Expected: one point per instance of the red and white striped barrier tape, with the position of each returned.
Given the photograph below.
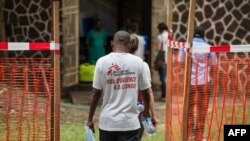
(20, 46)
(178, 45)
(206, 49)
(223, 48)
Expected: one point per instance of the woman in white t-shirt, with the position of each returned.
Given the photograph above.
(134, 47)
(141, 41)
(162, 44)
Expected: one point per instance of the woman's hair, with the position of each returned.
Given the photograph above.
(162, 26)
(133, 43)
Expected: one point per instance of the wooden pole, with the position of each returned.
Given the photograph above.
(168, 119)
(170, 14)
(55, 97)
(2, 22)
(3, 54)
(187, 69)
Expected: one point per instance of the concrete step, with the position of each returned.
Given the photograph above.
(80, 97)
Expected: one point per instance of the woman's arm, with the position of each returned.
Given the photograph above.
(158, 45)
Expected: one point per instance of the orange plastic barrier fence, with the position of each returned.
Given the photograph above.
(219, 94)
(27, 99)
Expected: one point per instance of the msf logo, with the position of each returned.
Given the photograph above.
(113, 68)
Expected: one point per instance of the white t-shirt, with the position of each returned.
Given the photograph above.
(141, 49)
(200, 73)
(119, 76)
(163, 38)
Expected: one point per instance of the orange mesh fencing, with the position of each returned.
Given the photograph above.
(27, 111)
(222, 98)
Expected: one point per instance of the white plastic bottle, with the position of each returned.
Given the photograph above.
(89, 134)
(148, 126)
(139, 107)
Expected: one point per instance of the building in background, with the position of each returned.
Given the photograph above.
(226, 22)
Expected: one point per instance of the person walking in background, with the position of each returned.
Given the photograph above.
(162, 45)
(200, 85)
(134, 47)
(118, 76)
(96, 42)
(141, 49)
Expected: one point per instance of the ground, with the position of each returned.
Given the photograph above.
(74, 116)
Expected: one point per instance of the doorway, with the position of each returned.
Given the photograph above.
(113, 13)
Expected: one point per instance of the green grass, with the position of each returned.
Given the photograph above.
(159, 136)
(217, 126)
(73, 132)
(227, 119)
(76, 132)
(73, 118)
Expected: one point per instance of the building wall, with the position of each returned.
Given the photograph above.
(28, 21)
(225, 21)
